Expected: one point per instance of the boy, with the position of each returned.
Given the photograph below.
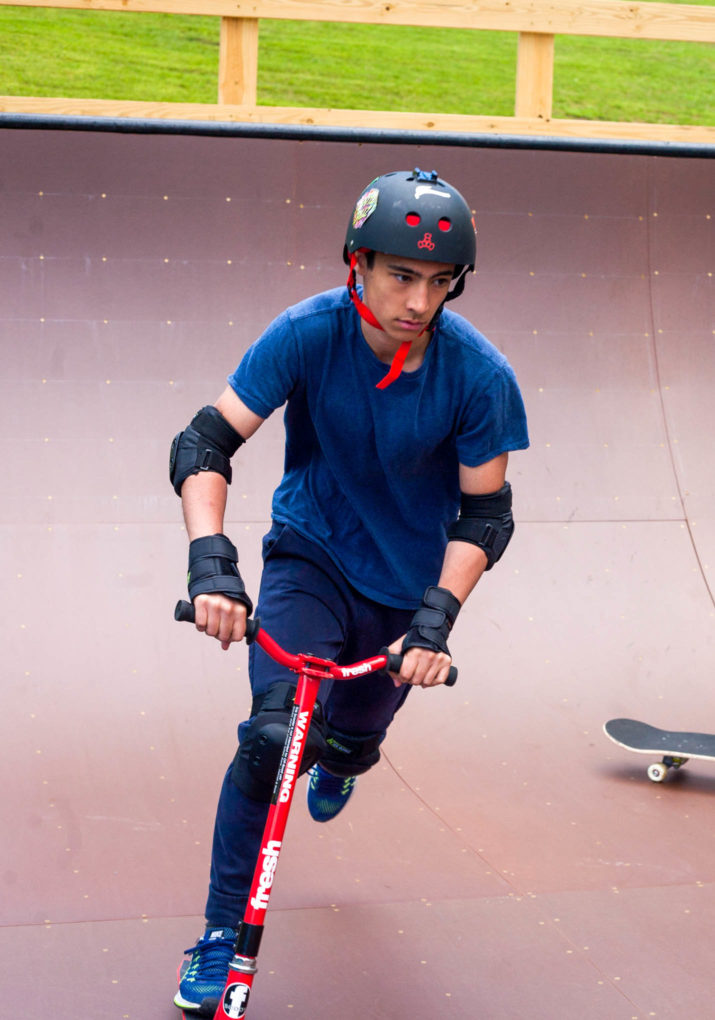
(399, 420)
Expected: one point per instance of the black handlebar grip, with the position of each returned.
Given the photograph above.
(394, 662)
(184, 612)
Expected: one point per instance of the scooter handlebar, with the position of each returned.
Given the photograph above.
(184, 613)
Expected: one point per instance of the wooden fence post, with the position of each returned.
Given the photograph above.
(238, 61)
(534, 75)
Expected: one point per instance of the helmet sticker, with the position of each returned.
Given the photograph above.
(365, 207)
(427, 243)
(425, 189)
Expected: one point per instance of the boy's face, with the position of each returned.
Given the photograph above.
(402, 293)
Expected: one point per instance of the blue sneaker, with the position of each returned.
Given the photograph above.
(205, 976)
(328, 794)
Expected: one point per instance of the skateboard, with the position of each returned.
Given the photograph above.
(674, 748)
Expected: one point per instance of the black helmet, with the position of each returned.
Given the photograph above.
(414, 214)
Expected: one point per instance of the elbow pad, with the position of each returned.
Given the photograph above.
(485, 521)
(207, 444)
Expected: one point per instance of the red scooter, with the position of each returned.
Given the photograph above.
(311, 670)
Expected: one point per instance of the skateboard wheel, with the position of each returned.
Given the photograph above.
(657, 772)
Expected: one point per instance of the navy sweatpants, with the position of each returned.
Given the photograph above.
(307, 606)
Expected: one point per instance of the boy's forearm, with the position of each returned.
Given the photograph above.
(203, 501)
(462, 567)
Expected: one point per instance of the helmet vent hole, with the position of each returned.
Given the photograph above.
(444, 224)
(413, 219)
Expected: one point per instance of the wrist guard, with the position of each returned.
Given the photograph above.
(213, 569)
(485, 521)
(433, 621)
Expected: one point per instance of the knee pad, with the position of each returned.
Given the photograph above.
(348, 755)
(259, 754)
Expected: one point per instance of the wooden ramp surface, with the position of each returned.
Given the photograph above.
(505, 861)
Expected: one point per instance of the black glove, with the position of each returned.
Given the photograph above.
(213, 569)
(433, 621)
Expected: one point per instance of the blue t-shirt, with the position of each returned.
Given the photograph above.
(371, 475)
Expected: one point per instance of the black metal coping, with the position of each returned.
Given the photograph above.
(307, 132)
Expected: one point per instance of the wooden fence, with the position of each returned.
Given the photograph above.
(537, 22)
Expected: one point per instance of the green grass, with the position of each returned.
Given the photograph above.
(164, 58)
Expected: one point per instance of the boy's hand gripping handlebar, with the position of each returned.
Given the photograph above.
(184, 612)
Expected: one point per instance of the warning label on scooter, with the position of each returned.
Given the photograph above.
(235, 1001)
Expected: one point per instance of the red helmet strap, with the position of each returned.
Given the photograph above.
(396, 367)
(364, 312)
